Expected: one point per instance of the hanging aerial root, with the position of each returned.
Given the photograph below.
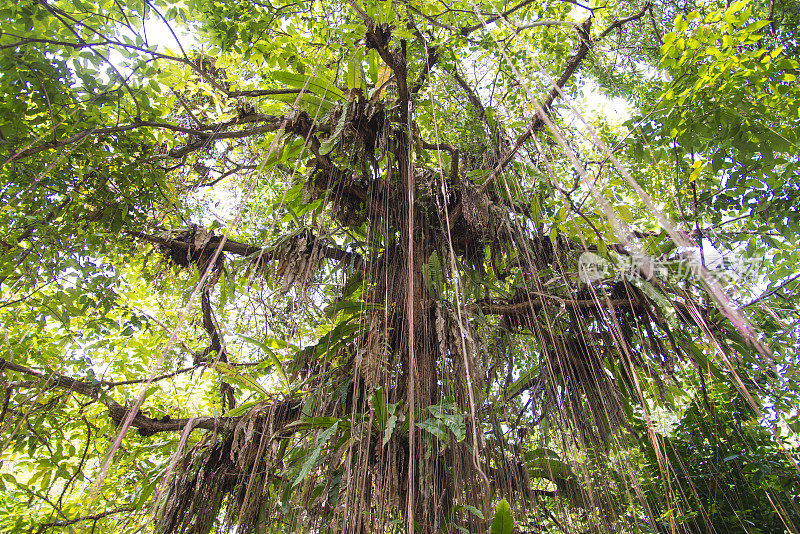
(227, 470)
(298, 262)
(577, 383)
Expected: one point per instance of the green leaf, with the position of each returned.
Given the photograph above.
(273, 358)
(311, 459)
(435, 427)
(242, 408)
(327, 145)
(315, 105)
(233, 376)
(697, 169)
(308, 465)
(448, 415)
(355, 74)
(474, 511)
(502, 523)
(391, 423)
(374, 65)
(433, 275)
(704, 362)
(318, 85)
(525, 381)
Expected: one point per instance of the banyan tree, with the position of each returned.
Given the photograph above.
(371, 266)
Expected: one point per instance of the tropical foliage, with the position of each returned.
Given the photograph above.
(371, 266)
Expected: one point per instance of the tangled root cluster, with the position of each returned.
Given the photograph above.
(227, 469)
(298, 262)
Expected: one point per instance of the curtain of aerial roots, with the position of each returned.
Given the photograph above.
(357, 475)
(516, 395)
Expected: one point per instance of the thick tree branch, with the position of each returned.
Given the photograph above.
(453, 157)
(263, 92)
(95, 517)
(377, 38)
(471, 95)
(286, 411)
(241, 249)
(206, 133)
(620, 22)
(117, 383)
(215, 350)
